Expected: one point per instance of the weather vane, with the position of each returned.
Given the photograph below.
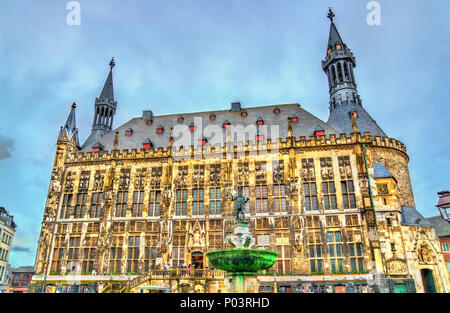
(330, 15)
(112, 64)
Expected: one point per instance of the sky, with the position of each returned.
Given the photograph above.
(195, 55)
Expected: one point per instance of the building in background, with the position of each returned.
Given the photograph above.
(21, 279)
(7, 279)
(130, 209)
(441, 224)
(7, 231)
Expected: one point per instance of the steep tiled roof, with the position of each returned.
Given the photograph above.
(305, 126)
(412, 217)
(340, 119)
(24, 269)
(441, 226)
(381, 171)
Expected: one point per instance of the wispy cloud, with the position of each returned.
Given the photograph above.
(21, 249)
(6, 145)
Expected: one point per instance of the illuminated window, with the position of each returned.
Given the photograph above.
(261, 199)
(279, 198)
(244, 113)
(260, 122)
(149, 122)
(329, 51)
(133, 254)
(212, 117)
(121, 204)
(259, 137)
(318, 133)
(276, 110)
(160, 130)
(338, 47)
(115, 257)
(180, 119)
(128, 132)
(294, 119)
(154, 203)
(138, 202)
(329, 195)
(202, 141)
(226, 124)
(147, 144)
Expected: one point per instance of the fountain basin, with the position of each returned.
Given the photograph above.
(242, 260)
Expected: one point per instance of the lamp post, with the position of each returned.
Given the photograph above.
(444, 204)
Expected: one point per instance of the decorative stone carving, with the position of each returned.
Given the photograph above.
(345, 169)
(308, 173)
(326, 168)
(98, 181)
(424, 254)
(196, 236)
(139, 182)
(278, 174)
(292, 186)
(396, 267)
(298, 240)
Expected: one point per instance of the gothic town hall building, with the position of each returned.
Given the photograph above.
(135, 208)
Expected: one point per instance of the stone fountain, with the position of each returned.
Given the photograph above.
(242, 263)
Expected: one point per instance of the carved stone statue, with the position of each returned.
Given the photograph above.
(241, 200)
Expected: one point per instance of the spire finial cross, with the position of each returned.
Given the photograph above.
(112, 64)
(330, 15)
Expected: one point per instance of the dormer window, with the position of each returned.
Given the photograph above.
(97, 147)
(160, 130)
(192, 127)
(226, 124)
(294, 118)
(203, 141)
(276, 110)
(338, 47)
(149, 122)
(147, 144)
(128, 132)
(212, 117)
(180, 119)
(318, 133)
(244, 113)
(260, 122)
(329, 51)
(259, 137)
(354, 114)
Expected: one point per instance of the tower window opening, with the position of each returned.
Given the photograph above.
(346, 75)
(339, 70)
(338, 46)
(329, 51)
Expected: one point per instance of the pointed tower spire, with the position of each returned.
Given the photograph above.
(338, 64)
(104, 110)
(69, 131)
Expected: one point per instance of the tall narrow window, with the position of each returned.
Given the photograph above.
(151, 244)
(133, 254)
(335, 249)
(348, 194)
(80, 207)
(96, 204)
(65, 208)
(214, 201)
(154, 203)
(329, 195)
(284, 254)
(89, 254)
(138, 201)
(58, 252)
(198, 203)
(115, 260)
(73, 258)
(181, 202)
(310, 192)
(263, 241)
(121, 204)
(279, 198)
(261, 199)
(356, 257)
(179, 242)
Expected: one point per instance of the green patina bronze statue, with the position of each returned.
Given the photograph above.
(241, 200)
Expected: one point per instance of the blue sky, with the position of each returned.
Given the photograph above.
(193, 55)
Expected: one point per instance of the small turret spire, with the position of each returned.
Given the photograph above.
(70, 128)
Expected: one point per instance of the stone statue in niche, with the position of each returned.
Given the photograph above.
(241, 200)
(424, 254)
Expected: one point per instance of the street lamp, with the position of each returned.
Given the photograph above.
(444, 204)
